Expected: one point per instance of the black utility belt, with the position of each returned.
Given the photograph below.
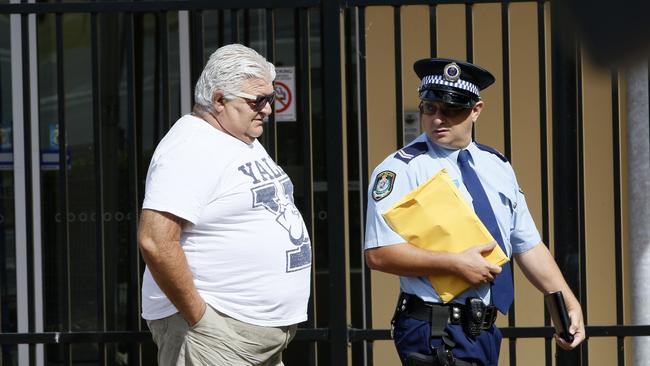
(474, 315)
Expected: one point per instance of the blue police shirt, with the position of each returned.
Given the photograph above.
(413, 165)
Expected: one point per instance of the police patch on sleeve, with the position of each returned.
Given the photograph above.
(383, 185)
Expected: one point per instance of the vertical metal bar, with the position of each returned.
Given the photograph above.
(247, 27)
(184, 42)
(134, 187)
(581, 199)
(505, 57)
(64, 237)
(304, 116)
(36, 188)
(541, 49)
(618, 245)
(505, 46)
(28, 248)
(157, 79)
(20, 195)
(333, 110)
(163, 33)
(357, 349)
(399, 108)
(433, 34)
(99, 183)
(197, 45)
(469, 45)
(270, 56)
(469, 30)
(234, 25)
(566, 197)
(304, 108)
(222, 27)
(363, 172)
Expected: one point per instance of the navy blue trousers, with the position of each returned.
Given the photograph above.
(412, 335)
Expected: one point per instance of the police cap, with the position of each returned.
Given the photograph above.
(451, 81)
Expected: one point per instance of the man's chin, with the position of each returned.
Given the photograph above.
(256, 132)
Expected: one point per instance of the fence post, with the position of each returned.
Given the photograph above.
(336, 181)
(567, 163)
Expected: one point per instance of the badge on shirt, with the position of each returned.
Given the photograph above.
(383, 185)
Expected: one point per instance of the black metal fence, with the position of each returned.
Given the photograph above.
(127, 116)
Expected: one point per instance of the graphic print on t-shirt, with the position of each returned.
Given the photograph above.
(273, 190)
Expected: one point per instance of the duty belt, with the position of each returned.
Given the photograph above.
(474, 315)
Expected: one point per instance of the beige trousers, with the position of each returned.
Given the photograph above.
(218, 339)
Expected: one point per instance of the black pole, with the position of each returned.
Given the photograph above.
(333, 108)
(566, 155)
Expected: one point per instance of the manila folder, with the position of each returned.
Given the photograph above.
(435, 216)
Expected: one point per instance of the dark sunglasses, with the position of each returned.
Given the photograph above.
(431, 109)
(257, 102)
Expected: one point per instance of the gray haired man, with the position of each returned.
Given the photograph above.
(227, 252)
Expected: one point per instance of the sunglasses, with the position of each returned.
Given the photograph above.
(431, 109)
(257, 102)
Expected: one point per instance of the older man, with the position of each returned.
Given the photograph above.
(462, 332)
(227, 252)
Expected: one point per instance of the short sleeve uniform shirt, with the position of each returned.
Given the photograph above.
(413, 165)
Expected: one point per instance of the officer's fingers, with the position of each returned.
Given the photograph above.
(562, 343)
(486, 247)
(494, 269)
(578, 337)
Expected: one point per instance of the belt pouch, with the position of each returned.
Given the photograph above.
(473, 316)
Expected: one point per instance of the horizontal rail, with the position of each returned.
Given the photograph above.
(147, 7)
(311, 335)
(305, 335)
(353, 3)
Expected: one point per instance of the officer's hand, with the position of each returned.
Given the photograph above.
(577, 328)
(474, 268)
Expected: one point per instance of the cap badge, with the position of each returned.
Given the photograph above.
(451, 72)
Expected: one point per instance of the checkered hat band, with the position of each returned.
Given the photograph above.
(460, 83)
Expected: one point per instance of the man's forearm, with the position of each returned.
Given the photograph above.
(408, 260)
(539, 266)
(159, 239)
(169, 268)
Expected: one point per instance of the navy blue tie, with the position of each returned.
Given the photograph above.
(502, 290)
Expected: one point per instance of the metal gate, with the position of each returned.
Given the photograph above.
(88, 89)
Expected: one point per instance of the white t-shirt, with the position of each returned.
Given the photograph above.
(246, 244)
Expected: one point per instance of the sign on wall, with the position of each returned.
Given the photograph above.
(285, 94)
(411, 127)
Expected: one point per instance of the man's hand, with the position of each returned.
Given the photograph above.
(540, 268)
(194, 316)
(577, 329)
(474, 268)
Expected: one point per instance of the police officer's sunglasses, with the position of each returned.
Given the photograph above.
(256, 102)
(431, 109)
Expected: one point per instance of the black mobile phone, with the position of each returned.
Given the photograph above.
(557, 308)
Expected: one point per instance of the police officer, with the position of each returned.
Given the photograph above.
(461, 332)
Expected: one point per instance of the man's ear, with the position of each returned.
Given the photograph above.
(218, 101)
(476, 110)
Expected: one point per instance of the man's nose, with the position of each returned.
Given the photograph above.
(438, 117)
(267, 110)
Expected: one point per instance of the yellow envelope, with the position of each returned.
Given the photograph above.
(435, 216)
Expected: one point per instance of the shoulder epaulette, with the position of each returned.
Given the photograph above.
(409, 152)
(492, 150)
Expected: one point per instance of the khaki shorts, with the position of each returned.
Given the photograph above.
(218, 339)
